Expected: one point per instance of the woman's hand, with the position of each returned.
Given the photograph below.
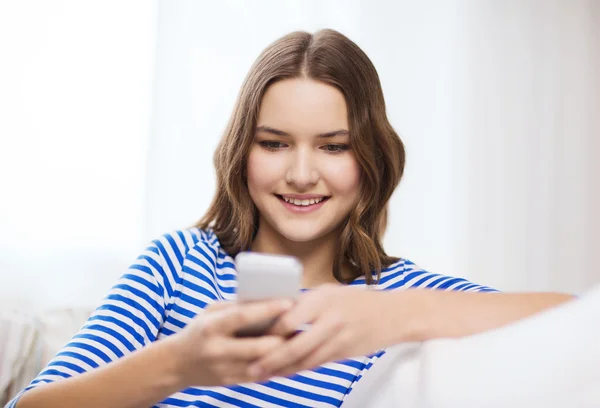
(348, 322)
(207, 351)
(345, 322)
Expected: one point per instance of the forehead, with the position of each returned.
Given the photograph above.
(303, 106)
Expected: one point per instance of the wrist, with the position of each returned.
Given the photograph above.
(409, 316)
(173, 363)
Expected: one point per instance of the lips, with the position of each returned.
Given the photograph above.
(302, 204)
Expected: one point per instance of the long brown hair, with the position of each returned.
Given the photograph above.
(332, 58)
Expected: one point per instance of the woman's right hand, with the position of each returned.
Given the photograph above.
(207, 352)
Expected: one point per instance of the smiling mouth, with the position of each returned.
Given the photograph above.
(306, 202)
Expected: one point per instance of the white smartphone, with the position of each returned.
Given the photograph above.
(262, 277)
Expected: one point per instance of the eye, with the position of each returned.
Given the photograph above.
(271, 145)
(336, 148)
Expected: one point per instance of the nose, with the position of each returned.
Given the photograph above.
(302, 171)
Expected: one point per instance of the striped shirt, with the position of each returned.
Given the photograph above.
(172, 281)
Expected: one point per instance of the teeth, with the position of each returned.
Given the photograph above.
(305, 202)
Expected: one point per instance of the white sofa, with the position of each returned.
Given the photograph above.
(28, 340)
(549, 360)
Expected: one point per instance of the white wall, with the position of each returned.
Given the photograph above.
(110, 112)
(531, 136)
(494, 100)
(75, 82)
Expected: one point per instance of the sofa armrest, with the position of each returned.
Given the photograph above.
(19, 339)
(29, 341)
(548, 360)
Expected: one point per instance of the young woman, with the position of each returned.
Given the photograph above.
(305, 168)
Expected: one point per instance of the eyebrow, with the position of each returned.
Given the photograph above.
(277, 132)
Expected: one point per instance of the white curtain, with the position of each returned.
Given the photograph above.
(75, 90)
(496, 101)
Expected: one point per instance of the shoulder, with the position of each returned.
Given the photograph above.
(404, 274)
(172, 252)
(176, 246)
(201, 266)
(391, 275)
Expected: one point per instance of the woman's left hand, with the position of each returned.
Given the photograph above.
(345, 322)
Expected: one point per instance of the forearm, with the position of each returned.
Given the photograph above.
(435, 314)
(140, 379)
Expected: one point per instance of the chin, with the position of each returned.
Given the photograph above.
(299, 234)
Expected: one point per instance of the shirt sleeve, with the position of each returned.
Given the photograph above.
(405, 274)
(128, 318)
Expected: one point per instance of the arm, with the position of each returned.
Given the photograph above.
(434, 314)
(137, 380)
(350, 322)
(116, 341)
(455, 308)
(205, 353)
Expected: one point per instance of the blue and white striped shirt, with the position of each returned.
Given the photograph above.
(174, 279)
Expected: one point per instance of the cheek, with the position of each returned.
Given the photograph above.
(344, 176)
(262, 170)
(254, 175)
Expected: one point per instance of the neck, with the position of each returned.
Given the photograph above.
(316, 256)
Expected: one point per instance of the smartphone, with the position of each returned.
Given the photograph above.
(262, 277)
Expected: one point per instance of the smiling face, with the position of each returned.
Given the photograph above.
(302, 174)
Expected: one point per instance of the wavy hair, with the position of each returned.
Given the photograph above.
(331, 58)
